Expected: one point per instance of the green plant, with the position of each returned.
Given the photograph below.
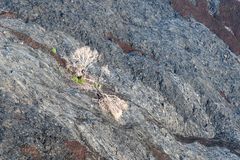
(78, 80)
(54, 51)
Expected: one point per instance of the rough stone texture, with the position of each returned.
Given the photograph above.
(156, 85)
(200, 12)
(229, 12)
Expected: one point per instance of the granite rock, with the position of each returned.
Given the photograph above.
(129, 80)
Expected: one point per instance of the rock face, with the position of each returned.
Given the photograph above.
(224, 21)
(118, 80)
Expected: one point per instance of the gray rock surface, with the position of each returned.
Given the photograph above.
(175, 94)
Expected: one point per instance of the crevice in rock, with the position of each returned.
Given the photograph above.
(158, 152)
(234, 147)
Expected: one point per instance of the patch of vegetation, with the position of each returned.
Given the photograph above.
(54, 51)
(78, 80)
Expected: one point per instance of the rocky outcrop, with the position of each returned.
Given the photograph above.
(224, 23)
(115, 80)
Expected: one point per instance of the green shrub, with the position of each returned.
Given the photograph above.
(54, 51)
(78, 80)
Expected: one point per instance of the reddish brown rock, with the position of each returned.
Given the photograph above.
(8, 14)
(32, 151)
(229, 13)
(78, 150)
(216, 25)
(125, 46)
(159, 154)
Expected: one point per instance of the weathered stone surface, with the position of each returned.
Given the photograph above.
(129, 80)
(200, 12)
